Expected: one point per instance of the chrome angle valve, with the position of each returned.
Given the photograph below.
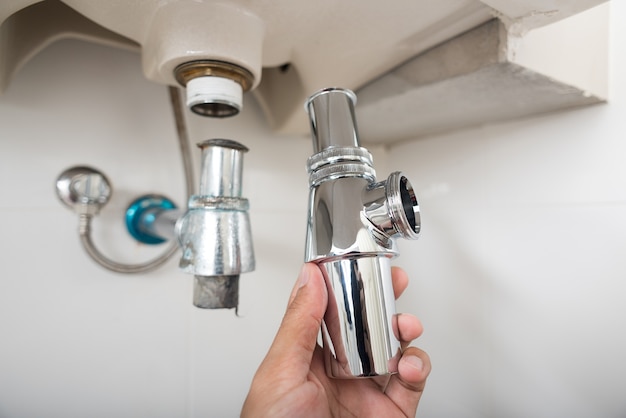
(214, 233)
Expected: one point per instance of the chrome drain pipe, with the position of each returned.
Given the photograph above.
(214, 233)
(353, 221)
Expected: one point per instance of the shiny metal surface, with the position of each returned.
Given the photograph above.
(392, 206)
(352, 223)
(214, 233)
(331, 115)
(215, 242)
(163, 223)
(83, 189)
(222, 168)
(360, 332)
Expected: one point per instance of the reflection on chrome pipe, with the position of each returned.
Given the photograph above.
(352, 223)
(215, 234)
(159, 223)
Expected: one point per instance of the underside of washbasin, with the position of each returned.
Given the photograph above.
(286, 48)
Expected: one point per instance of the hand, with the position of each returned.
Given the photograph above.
(291, 381)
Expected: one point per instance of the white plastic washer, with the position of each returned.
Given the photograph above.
(212, 89)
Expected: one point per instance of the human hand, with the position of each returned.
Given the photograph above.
(291, 381)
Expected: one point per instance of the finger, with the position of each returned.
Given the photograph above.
(405, 388)
(409, 328)
(296, 338)
(399, 280)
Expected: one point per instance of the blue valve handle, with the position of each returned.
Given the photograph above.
(141, 214)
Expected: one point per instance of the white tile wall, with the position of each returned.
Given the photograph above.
(520, 273)
(519, 276)
(79, 341)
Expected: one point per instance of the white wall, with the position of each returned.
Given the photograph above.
(520, 273)
(518, 277)
(78, 341)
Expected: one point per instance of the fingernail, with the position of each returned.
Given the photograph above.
(414, 362)
(304, 276)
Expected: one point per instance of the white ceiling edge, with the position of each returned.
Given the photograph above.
(524, 15)
(573, 51)
(490, 74)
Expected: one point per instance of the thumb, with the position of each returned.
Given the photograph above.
(296, 339)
